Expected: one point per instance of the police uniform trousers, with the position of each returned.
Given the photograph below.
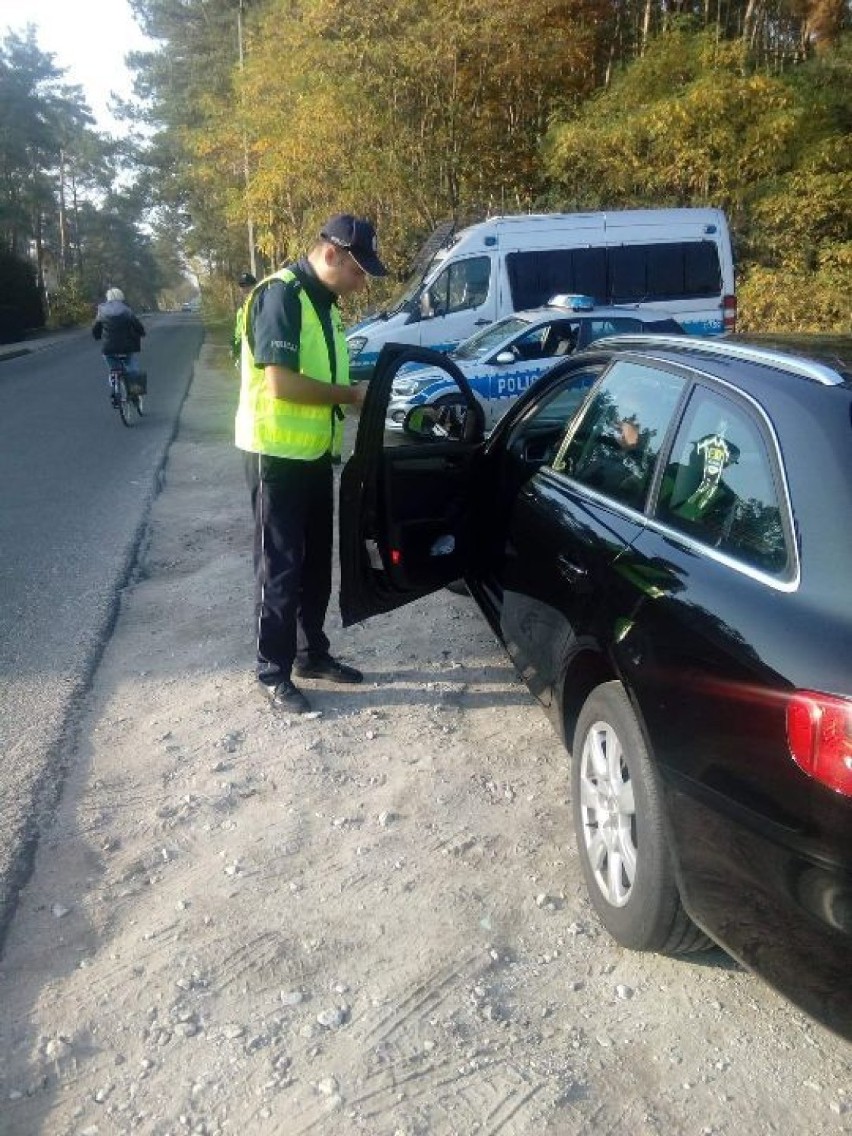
(293, 504)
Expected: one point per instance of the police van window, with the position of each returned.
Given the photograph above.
(536, 276)
(639, 273)
(615, 446)
(628, 273)
(668, 276)
(678, 270)
(590, 273)
(701, 269)
(684, 269)
(719, 488)
(461, 285)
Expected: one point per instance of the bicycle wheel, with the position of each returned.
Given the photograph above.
(124, 407)
(138, 400)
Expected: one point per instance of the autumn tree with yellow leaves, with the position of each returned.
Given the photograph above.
(271, 114)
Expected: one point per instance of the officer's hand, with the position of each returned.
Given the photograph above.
(359, 393)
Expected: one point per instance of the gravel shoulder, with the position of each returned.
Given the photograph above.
(369, 921)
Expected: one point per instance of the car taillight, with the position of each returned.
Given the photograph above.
(819, 733)
(729, 312)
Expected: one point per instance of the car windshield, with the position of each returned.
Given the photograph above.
(489, 337)
(413, 284)
(406, 294)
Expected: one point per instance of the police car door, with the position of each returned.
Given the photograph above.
(407, 501)
(511, 371)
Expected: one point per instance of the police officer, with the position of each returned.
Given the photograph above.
(294, 382)
(245, 284)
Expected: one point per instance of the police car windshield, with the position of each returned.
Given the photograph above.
(481, 343)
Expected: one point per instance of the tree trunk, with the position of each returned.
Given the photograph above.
(63, 220)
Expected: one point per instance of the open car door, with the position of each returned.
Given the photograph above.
(406, 501)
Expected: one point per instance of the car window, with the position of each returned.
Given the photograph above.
(613, 325)
(537, 437)
(489, 337)
(462, 285)
(547, 341)
(562, 406)
(719, 487)
(614, 447)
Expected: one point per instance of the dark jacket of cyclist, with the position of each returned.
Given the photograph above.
(117, 327)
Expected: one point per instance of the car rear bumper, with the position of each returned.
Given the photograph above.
(781, 909)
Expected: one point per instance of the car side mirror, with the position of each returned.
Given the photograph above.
(451, 421)
(420, 422)
(504, 358)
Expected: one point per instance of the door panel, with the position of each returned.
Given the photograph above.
(572, 591)
(426, 511)
(568, 593)
(404, 508)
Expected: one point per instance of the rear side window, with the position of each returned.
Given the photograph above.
(614, 325)
(719, 487)
(639, 273)
(615, 446)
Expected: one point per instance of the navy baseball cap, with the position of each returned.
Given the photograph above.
(358, 237)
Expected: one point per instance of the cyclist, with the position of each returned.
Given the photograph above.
(119, 331)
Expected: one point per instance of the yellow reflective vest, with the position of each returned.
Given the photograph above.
(269, 425)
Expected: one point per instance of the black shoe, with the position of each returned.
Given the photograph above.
(328, 668)
(286, 698)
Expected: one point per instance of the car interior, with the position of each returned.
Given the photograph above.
(537, 438)
(551, 341)
(615, 446)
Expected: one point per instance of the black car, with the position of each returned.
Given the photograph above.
(659, 533)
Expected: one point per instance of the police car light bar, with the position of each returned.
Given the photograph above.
(575, 302)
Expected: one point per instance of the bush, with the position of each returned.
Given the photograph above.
(68, 305)
(21, 308)
(785, 300)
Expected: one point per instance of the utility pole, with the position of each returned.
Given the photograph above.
(250, 221)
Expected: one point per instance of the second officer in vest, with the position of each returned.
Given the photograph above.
(294, 382)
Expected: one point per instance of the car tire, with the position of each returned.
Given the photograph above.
(621, 830)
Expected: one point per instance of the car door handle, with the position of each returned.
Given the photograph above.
(575, 573)
(481, 323)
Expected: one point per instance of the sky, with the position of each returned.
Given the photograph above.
(90, 38)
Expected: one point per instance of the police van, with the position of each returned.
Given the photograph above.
(678, 261)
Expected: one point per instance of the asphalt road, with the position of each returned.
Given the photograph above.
(76, 488)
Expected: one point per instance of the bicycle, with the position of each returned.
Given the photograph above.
(126, 389)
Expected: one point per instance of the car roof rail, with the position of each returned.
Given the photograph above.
(796, 365)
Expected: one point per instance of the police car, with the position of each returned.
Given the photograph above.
(501, 361)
